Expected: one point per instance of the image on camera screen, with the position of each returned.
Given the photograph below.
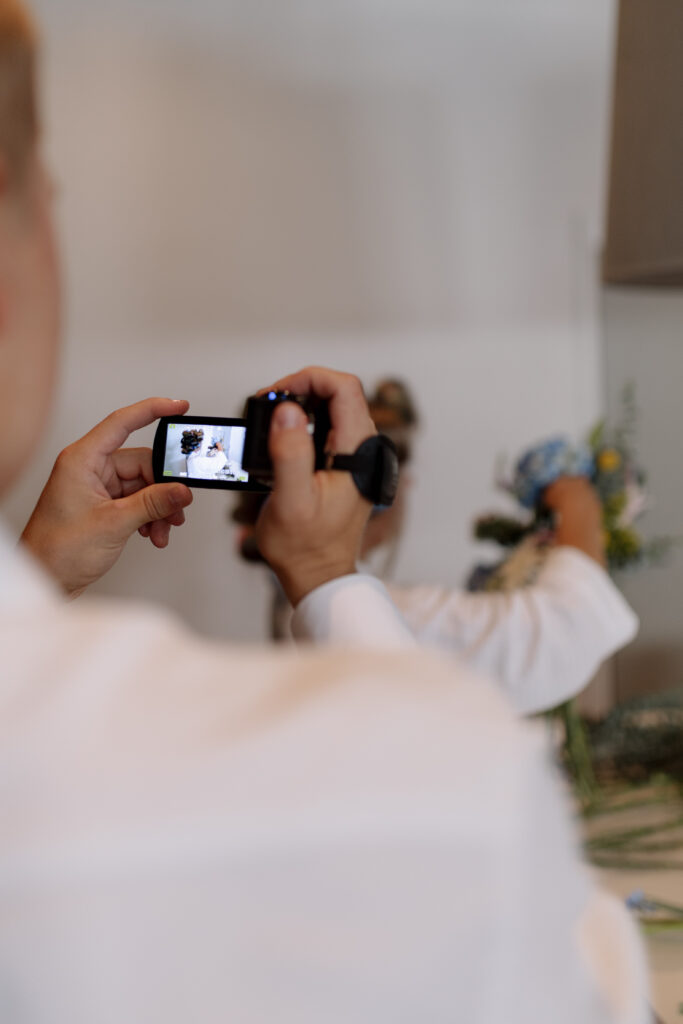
(201, 451)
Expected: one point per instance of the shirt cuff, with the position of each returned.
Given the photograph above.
(351, 611)
(616, 617)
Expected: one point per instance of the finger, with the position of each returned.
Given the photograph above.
(349, 412)
(113, 432)
(293, 456)
(160, 533)
(176, 520)
(319, 379)
(127, 487)
(130, 486)
(150, 505)
(133, 469)
(134, 464)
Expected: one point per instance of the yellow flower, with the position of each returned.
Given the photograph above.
(609, 460)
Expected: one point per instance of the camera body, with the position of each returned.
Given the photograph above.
(260, 408)
(227, 453)
(232, 454)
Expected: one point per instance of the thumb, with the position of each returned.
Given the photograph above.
(157, 501)
(292, 453)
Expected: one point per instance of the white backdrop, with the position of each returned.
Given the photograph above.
(406, 188)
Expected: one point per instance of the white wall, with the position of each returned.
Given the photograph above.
(413, 188)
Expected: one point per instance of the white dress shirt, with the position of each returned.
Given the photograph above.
(542, 643)
(201, 832)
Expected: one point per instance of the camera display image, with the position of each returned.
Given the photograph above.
(201, 451)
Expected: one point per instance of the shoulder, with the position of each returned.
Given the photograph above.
(121, 717)
(134, 656)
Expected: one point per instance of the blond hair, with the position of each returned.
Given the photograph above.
(18, 101)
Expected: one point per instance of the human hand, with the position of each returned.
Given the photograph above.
(311, 527)
(99, 494)
(578, 516)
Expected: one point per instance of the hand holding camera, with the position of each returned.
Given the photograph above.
(311, 528)
(100, 493)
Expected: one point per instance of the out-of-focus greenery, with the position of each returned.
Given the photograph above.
(608, 458)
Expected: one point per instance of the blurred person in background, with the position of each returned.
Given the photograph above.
(394, 413)
(541, 643)
(196, 831)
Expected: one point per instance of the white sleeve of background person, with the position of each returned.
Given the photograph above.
(543, 643)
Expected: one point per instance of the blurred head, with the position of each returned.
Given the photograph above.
(394, 413)
(191, 441)
(29, 272)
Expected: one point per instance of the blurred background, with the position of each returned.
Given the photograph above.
(414, 188)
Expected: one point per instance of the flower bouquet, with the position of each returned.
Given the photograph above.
(608, 460)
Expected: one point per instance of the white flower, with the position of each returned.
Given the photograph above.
(637, 502)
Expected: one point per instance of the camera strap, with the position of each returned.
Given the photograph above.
(373, 467)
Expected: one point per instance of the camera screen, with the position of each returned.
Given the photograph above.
(201, 451)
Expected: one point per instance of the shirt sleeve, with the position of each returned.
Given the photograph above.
(542, 643)
(351, 611)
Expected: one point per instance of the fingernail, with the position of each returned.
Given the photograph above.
(183, 400)
(288, 416)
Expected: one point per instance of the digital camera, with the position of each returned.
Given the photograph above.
(230, 453)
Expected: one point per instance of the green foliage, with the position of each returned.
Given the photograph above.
(612, 507)
(658, 550)
(641, 736)
(625, 431)
(504, 530)
(624, 547)
(596, 437)
(620, 485)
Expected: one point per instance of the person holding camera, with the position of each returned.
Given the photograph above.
(540, 643)
(196, 831)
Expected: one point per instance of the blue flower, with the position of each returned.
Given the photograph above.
(640, 902)
(542, 465)
(635, 900)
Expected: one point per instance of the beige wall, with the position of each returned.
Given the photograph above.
(413, 188)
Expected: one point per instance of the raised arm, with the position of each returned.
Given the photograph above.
(541, 643)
